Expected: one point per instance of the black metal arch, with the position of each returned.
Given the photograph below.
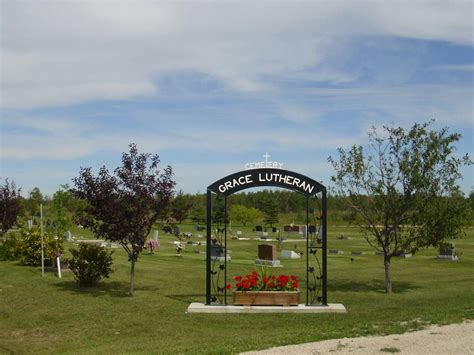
(315, 240)
(266, 177)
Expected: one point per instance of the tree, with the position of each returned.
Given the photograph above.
(402, 189)
(63, 201)
(123, 207)
(198, 210)
(9, 205)
(32, 204)
(244, 215)
(270, 210)
(180, 206)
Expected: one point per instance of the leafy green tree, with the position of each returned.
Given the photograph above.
(32, 204)
(123, 207)
(62, 203)
(9, 205)
(198, 209)
(180, 206)
(245, 215)
(402, 189)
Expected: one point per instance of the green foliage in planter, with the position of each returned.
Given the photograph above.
(29, 246)
(90, 263)
(446, 248)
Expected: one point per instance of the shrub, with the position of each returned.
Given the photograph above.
(90, 263)
(29, 246)
(9, 248)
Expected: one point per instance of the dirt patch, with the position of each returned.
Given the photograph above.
(448, 339)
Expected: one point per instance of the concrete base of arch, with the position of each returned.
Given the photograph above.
(301, 308)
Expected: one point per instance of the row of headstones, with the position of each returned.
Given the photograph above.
(267, 255)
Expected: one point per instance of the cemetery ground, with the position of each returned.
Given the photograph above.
(51, 315)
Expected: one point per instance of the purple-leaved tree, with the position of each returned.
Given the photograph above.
(123, 207)
(9, 205)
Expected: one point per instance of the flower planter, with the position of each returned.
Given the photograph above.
(267, 298)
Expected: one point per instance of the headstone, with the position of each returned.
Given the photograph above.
(405, 255)
(335, 251)
(291, 229)
(239, 232)
(267, 255)
(155, 236)
(447, 257)
(267, 252)
(357, 253)
(258, 229)
(68, 236)
(217, 253)
(175, 230)
(447, 251)
(274, 230)
(289, 254)
(312, 229)
(30, 224)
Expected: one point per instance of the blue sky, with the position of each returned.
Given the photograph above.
(210, 86)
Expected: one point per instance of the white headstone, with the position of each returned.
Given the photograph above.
(30, 223)
(155, 236)
(289, 254)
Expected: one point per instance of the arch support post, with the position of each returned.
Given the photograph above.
(208, 245)
(325, 246)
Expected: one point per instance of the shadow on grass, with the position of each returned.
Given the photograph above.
(106, 288)
(373, 285)
(200, 297)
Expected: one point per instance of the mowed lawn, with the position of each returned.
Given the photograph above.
(51, 315)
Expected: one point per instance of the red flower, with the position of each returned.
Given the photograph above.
(228, 286)
(238, 278)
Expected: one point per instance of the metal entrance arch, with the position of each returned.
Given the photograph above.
(316, 238)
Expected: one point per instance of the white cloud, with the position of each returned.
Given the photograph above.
(61, 53)
(461, 68)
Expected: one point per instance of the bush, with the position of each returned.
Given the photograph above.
(9, 248)
(90, 263)
(29, 246)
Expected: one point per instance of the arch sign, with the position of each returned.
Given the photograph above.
(267, 174)
(266, 177)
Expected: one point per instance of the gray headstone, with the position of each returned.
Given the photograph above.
(217, 251)
(68, 235)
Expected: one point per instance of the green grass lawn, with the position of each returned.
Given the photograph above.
(51, 315)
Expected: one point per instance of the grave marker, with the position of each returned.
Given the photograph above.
(267, 255)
